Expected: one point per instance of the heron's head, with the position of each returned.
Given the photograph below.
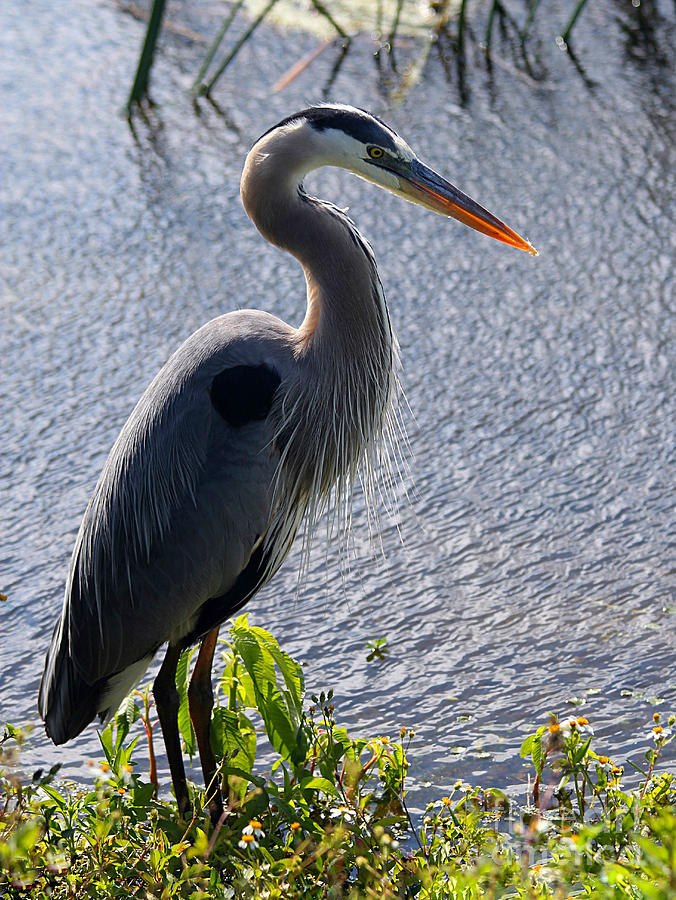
(353, 139)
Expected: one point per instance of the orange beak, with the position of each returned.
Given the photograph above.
(424, 186)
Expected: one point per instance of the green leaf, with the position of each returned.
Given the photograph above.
(319, 784)
(527, 746)
(255, 656)
(538, 755)
(143, 793)
(60, 801)
(280, 729)
(124, 718)
(184, 723)
(293, 676)
(627, 823)
(581, 752)
(233, 737)
(281, 712)
(106, 741)
(256, 780)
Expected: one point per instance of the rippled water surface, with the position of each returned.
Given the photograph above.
(537, 556)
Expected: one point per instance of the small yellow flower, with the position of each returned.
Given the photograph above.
(121, 790)
(248, 838)
(658, 729)
(603, 760)
(254, 823)
(446, 801)
(582, 721)
(554, 728)
(385, 740)
(104, 766)
(294, 826)
(656, 717)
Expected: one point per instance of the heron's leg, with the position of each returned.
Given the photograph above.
(167, 703)
(201, 702)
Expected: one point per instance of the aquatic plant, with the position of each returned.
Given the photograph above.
(438, 22)
(330, 817)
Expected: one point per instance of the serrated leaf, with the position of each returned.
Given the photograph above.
(538, 755)
(255, 656)
(125, 717)
(184, 723)
(293, 677)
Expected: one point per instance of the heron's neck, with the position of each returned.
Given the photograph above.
(345, 305)
(345, 344)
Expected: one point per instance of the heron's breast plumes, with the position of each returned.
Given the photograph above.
(336, 423)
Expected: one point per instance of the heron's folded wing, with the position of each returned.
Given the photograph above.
(183, 498)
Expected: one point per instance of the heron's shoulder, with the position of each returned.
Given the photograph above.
(244, 329)
(242, 338)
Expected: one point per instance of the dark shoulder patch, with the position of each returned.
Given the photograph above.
(244, 394)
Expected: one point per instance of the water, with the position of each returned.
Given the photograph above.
(537, 556)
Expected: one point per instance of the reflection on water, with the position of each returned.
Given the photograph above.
(535, 561)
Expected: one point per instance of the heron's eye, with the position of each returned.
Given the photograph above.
(374, 152)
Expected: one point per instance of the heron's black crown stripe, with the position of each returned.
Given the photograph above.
(359, 124)
(244, 394)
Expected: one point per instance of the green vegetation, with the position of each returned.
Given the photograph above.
(447, 24)
(330, 819)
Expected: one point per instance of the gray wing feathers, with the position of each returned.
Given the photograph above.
(179, 506)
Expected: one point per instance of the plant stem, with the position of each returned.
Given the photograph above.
(393, 31)
(495, 5)
(573, 19)
(206, 89)
(322, 10)
(197, 85)
(529, 18)
(461, 26)
(139, 90)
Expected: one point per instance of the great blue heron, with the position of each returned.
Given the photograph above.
(245, 431)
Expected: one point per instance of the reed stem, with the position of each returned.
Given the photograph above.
(198, 84)
(206, 88)
(139, 89)
(573, 19)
